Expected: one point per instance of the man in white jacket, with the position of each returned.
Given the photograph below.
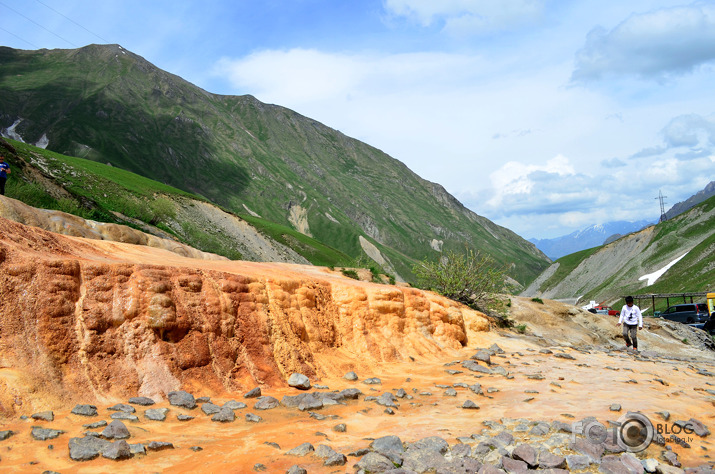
(632, 320)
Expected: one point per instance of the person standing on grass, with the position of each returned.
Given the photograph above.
(632, 321)
(4, 171)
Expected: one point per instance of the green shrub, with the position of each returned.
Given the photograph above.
(521, 328)
(537, 300)
(350, 274)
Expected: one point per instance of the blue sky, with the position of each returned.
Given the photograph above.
(544, 116)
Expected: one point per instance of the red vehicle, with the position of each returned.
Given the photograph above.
(601, 309)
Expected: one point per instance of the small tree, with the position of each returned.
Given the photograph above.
(470, 278)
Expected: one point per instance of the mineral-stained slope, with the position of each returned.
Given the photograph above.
(101, 320)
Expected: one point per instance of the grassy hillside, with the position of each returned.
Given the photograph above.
(91, 190)
(108, 105)
(609, 272)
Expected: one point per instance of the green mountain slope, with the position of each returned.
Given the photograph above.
(609, 272)
(108, 105)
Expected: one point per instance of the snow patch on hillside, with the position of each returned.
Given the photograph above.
(11, 133)
(653, 277)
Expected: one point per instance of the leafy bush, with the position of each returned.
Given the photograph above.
(521, 328)
(350, 274)
(537, 300)
(470, 278)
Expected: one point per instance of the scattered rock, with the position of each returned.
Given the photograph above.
(143, 401)
(210, 408)
(296, 469)
(340, 428)
(6, 434)
(117, 450)
(302, 450)
(254, 393)
(115, 430)
(299, 381)
(44, 416)
(450, 392)
(95, 425)
(156, 414)
(266, 403)
(85, 410)
(159, 446)
(562, 355)
(482, 356)
(182, 417)
(251, 418)
(470, 405)
(372, 381)
(87, 448)
(182, 399)
(43, 434)
(615, 407)
(121, 415)
(224, 415)
(122, 407)
(351, 376)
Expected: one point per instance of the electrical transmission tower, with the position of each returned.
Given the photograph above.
(662, 206)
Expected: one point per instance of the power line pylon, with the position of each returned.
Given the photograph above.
(661, 198)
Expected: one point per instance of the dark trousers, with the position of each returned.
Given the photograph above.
(632, 330)
(2, 185)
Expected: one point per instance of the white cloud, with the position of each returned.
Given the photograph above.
(467, 16)
(650, 45)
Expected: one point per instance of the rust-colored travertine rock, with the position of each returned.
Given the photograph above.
(85, 321)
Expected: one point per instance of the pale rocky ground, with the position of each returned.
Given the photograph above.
(96, 322)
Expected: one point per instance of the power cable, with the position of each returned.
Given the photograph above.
(33, 21)
(70, 19)
(21, 39)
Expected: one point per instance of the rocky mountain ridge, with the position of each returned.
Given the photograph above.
(109, 105)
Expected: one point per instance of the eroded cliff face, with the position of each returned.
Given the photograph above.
(102, 320)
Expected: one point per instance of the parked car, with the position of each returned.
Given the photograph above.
(688, 313)
(600, 309)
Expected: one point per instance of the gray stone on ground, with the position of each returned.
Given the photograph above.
(650, 464)
(251, 418)
(6, 434)
(253, 393)
(296, 469)
(527, 453)
(95, 425)
(350, 393)
(540, 428)
(372, 381)
(43, 434)
(299, 381)
(548, 460)
(122, 415)
(482, 356)
(182, 417)
(84, 449)
(374, 462)
(266, 403)
(85, 410)
(401, 393)
(577, 462)
(434, 443)
(117, 450)
(351, 376)
(475, 367)
(424, 460)
(115, 430)
(563, 355)
(182, 399)
(156, 414)
(137, 448)
(159, 446)
(43, 415)
(615, 407)
(461, 450)
(337, 459)
(340, 428)
(515, 466)
(224, 415)
(390, 443)
(234, 405)
(143, 401)
(210, 408)
(450, 392)
(122, 407)
(201, 400)
(324, 451)
(476, 388)
(301, 450)
(387, 399)
(624, 463)
(470, 405)
(697, 426)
